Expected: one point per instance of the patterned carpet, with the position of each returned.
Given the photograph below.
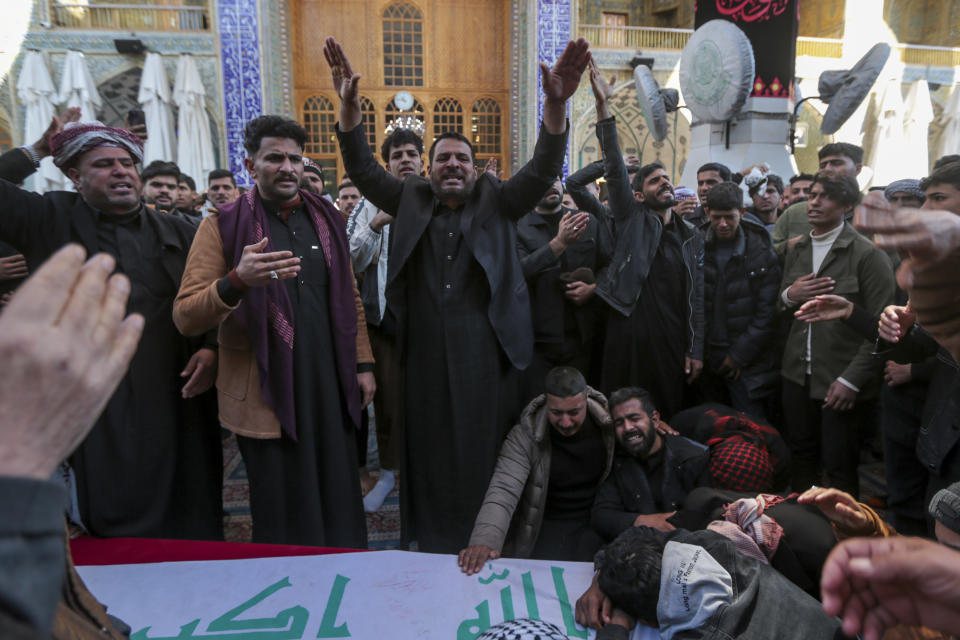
(383, 527)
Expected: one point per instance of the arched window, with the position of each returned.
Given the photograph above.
(318, 119)
(485, 129)
(447, 116)
(402, 46)
(369, 112)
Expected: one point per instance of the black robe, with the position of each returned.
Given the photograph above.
(152, 465)
(307, 491)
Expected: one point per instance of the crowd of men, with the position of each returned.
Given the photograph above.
(554, 370)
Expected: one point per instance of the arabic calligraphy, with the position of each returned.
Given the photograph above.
(288, 624)
(752, 10)
(470, 628)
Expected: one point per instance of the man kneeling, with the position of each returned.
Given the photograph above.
(551, 464)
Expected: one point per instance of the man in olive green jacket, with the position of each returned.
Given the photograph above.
(828, 369)
(564, 443)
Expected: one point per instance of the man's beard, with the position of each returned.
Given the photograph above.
(660, 205)
(550, 202)
(458, 193)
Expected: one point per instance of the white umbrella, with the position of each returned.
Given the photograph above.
(154, 97)
(194, 143)
(36, 93)
(950, 136)
(886, 145)
(918, 114)
(77, 88)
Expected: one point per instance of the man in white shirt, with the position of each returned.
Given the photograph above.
(828, 370)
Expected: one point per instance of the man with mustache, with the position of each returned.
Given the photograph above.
(562, 252)
(151, 466)
(369, 231)
(272, 270)
(655, 333)
(652, 472)
(456, 290)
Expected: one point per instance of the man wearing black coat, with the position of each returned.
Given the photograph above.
(457, 292)
(741, 278)
(562, 253)
(151, 466)
(652, 472)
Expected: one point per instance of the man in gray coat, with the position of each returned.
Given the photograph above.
(550, 466)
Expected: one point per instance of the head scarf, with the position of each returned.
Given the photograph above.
(310, 165)
(904, 186)
(945, 507)
(79, 137)
(523, 629)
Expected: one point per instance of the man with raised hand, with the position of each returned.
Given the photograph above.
(655, 331)
(465, 329)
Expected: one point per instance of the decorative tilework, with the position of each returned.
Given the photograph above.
(277, 56)
(242, 88)
(102, 41)
(553, 33)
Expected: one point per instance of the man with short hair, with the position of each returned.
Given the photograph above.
(708, 176)
(562, 252)
(187, 195)
(652, 472)
(766, 195)
(160, 184)
(836, 158)
(543, 486)
(221, 187)
(457, 293)
(272, 270)
(905, 193)
(347, 197)
(828, 369)
(151, 466)
(369, 231)
(654, 336)
(741, 279)
(798, 191)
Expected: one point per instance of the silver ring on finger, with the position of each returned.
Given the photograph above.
(274, 275)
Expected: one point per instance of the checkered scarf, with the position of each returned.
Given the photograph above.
(752, 531)
(79, 137)
(739, 460)
(523, 629)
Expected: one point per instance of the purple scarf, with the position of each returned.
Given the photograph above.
(266, 314)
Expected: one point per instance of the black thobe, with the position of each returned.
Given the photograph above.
(460, 388)
(647, 348)
(152, 465)
(308, 491)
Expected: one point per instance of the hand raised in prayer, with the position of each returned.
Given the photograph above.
(345, 83)
(472, 558)
(201, 372)
(491, 167)
(257, 269)
(824, 307)
(42, 146)
(561, 81)
(602, 90)
(572, 225)
(68, 339)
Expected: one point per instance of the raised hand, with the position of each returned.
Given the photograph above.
(257, 269)
(42, 146)
(345, 83)
(561, 81)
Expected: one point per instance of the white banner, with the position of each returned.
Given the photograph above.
(386, 595)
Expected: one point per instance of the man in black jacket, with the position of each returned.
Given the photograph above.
(741, 277)
(655, 330)
(151, 466)
(456, 290)
(652, 472)
(562, 252)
